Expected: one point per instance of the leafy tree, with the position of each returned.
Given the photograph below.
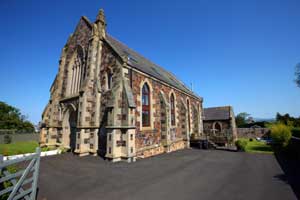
(297, 75)
(11, 118)
(288, 120)
(241, 118)
(283, 118)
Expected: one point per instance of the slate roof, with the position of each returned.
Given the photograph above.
(139, 62)
(142, 64)
(217, 113)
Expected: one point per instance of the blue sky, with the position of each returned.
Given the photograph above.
(239, 53)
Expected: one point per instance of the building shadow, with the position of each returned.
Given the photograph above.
(291, 168)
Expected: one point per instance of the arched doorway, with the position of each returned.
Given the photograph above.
(217, 127)
(69, 128)
(102, 134)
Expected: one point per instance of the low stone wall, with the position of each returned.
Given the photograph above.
(159, 149)
(252, 132)
(177, 146)
(150, 151)
(19, 137)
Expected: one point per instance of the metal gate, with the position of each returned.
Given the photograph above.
(23, 183)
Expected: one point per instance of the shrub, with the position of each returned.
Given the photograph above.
(241, 145)
(45, 149)
(5, 152)
(63, 150)
(296, 132)
(7, 139)
(281, 134)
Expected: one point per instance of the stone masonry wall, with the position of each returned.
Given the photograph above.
(151, 136)
(208, 125)
(252, 132)
(80, 37)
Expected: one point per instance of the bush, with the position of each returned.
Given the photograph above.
(296, 132)
(7, 139)
(63, 150)
(45, 149)
(241, 145)
(4, 152)
(281, 134)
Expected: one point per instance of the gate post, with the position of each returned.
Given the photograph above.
(36, 172)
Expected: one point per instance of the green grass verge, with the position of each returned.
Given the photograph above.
(257, 146)
(20, 148)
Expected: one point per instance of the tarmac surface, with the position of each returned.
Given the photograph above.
(186, 174)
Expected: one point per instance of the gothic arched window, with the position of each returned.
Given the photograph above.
(172, 102)
(145, 105)
(76, 71)
(109, 80)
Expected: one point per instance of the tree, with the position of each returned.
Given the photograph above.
(297, 75)
(11, 118)
(288, 120)
(241, 118)
(285, 119)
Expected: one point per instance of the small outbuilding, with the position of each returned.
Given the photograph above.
(219, 125)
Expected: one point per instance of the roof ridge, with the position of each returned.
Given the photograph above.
(151, 62)
(87, 20)
(228, 106)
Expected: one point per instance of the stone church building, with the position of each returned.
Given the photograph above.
(109, 100)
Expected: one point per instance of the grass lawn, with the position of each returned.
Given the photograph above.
(20, 148)
(257, 146)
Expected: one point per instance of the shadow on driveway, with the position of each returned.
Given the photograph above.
(291, 168)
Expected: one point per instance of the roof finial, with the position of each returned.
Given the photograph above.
(100, 24)
(101, 17)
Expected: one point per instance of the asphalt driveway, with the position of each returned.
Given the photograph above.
(186, 174)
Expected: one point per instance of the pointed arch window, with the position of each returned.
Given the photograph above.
(109, 80)
(145, 105)
(76, 71)
(172, 102)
